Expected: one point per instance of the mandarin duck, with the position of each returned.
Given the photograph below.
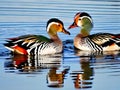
(95, 42)
(39, 44)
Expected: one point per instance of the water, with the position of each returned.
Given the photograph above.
(70, 70)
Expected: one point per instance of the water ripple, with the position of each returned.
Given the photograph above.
(73, 69)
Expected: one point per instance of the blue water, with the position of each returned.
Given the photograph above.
(70, 70)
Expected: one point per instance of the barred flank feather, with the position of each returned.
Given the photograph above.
(44, 48)
(103, 41)
(33, 44)
(93, 46)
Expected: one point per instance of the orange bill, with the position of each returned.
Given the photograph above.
(72, 25)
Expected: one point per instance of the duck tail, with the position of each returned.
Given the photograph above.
(9, 45)
(117, 39)
(118, 36)
(15, 48)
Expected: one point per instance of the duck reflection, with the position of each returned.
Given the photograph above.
(84, 76)
(33, 63)
(55, 77)
(97, 56)
(96, 53)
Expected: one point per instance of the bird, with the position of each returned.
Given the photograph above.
(85, 41)
(39, 44)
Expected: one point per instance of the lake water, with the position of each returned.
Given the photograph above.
(70, 70)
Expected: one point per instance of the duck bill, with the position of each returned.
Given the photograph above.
(72, 25)
(65, 31)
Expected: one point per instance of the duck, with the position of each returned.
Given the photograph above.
(85, 41)
(39, 44)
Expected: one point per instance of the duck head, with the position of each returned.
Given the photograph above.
(83, 20)
(55, 25)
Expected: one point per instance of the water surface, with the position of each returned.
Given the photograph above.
(70, 70)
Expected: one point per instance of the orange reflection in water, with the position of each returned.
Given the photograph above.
(84, 75)
(55, 78)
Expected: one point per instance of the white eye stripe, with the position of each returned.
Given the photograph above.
(86, 17)
(48, 27)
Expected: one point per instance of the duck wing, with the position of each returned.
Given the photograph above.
(22, 43)
(105, 39)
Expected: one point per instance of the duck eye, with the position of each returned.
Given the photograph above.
(59, 25)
